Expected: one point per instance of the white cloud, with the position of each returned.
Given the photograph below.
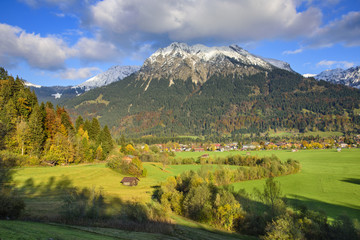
(50, 52)
(289, 52)
(345, 30)
(81, 73)
(182, 20)
(337, 64)
(95, 50)
(40, 52)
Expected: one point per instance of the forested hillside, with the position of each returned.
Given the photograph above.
(225, 104)
(44, 134)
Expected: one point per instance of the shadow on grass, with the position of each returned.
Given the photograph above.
(85, 207)
(58, 200)
(332, 210)
(352, 180)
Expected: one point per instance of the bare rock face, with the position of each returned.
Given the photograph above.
(199, 63)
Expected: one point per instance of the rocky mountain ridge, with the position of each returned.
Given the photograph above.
(349, 77)
(199, 62)
(111, 75)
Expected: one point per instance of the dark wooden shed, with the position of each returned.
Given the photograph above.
(130, 181)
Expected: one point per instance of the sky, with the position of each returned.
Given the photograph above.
(65, 42)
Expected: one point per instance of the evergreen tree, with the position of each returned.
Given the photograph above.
(79, 121)
(36, 133)
(94, 129)
(106, 140)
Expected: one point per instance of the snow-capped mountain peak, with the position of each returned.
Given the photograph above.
(111, 75)
(349, 77)
(199, 63)
(203, 53)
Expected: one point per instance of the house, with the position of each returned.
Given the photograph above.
(199, 149)
(343, 145)
(130, 181)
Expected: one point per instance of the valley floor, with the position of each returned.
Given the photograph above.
(329, 181)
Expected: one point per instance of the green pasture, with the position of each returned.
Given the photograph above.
(329, 180)
(19, 230)
(43, 187)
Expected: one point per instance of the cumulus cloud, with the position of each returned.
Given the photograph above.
(95, 50)
(184, 20)
(81, 73)
(345, 31)
(337, 64)
(50, 52)
(40, 52)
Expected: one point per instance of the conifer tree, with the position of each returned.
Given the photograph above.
(36, 132)
(106, 140)
(79, 121)
(94, 130)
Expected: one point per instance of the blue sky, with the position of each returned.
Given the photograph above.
(65, 42)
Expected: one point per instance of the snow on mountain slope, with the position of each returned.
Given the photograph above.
(29, 84)
(113, 74)
(349, 77)
(279, 64)
(201, 52)
(199, 63)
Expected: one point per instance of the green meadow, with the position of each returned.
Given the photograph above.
(187, 229)
(329, 181)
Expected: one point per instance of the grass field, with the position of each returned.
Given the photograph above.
(329, 181)
(20, 230)
(42, 186)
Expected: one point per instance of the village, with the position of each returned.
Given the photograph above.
(338, 144)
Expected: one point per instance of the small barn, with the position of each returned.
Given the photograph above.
(130, 181)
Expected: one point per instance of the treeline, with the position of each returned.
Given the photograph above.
(44, 133)
(264, 214)
(250, 167)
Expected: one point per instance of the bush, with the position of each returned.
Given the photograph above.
(11, 206)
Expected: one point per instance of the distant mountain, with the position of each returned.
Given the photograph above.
(217, 91)
(349, 77)
(111, 75)
(59, 94)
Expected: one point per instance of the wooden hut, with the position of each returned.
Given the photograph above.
(130, 181)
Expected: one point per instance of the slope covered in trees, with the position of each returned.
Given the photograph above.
(223, 105)
(44, 134)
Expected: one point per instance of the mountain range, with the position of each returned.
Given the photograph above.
(59, 94)
(199, 53)
(349, 77)
(217, 91)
